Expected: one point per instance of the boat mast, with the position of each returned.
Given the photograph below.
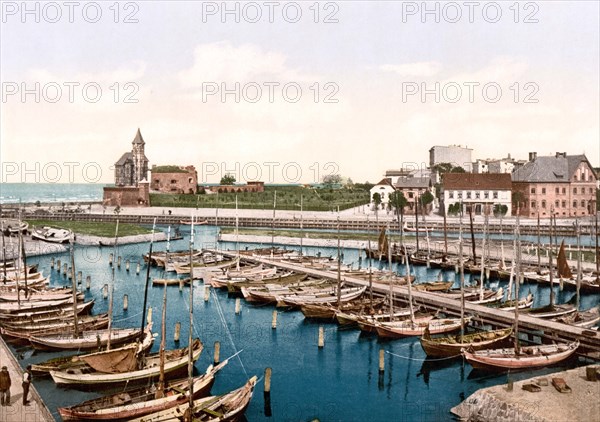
(147, 282)
(339, 265)
(217, 221)
(24, 260)
(539, 259)
(502, 263)
(483, 245)
(273, 224)
(74, 289)
(237, 234)
(470, 208)
(391, 283)
(4, 261)
(190, 340)
(445, 235)
(301, 225)
(417, 220)
(550, 263)
(18, 267)
(597, 249)
(517, 283)
(578, 263)
(160, 392)
(370, 261)
(112, 288)
(410, 302)
(462, 278)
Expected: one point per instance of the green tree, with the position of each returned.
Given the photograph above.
(424, 200)
(500, 210)
(518, 199)
(331, 180)
(228, 179)
(398, 201)
(377, 200)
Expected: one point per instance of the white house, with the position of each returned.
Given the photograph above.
(384, 188)
(481, 192)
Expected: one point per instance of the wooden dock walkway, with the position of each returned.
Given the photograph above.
(533, 327)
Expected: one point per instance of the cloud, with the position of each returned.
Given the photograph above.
(422, 69)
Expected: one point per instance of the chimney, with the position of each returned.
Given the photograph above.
(532, 156)
(561, 154)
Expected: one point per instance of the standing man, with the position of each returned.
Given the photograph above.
(26, 383)
(4, 387)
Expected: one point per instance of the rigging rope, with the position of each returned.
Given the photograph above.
(224, 322)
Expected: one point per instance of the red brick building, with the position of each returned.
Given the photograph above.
(127, 196)
(248, 187)
(174, 179)
(562, 185)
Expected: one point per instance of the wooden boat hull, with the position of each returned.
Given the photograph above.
(531, 357)
(451, 346)
(407, 329)
(175, 360)
(88, 340)
(138, 402)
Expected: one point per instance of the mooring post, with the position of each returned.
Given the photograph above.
(237, 306)
(105, 291)
(217, 352)
(381, 360)
(321, 337)
(177, 331)
(127, 263)
(88, 282)
(274, 320)
(125, 302)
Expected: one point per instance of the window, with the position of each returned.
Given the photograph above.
(532, 190)
(564, 191)
(574, 191)
(459, 195)
(557, 191)
(582, 204)
(411, 195)
(477, 194)
(173, 181)
(543, 204)
(590, 178)
(451, 194)
(556, 204)
(156, 181)
(543, 191)
(574, 204)
(591, 190)
(532, 204)
(486, 194)
(495, 194)
(189, 180)
(469, 195)
(564, 204)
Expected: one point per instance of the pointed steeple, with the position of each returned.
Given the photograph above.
(138, 140)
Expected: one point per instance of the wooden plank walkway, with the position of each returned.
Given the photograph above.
(589, 339)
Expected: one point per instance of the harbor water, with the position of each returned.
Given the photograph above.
(339, 382)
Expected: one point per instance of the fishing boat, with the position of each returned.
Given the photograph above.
(46, 314)
(528, 357)
(62, 328)
(284, 278)
(85, 340)
(170, 281)
(451, 346)
(196, 223)
(435, 286)
(329, 311)
(408, 328)
(52, 235)
(141, 401)
(347, 294)
(583, 319)
(174, 360)
(228, 407)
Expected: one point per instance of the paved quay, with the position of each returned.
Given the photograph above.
(499, 403)
(36, 411)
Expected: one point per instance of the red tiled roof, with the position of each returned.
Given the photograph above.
(473, 181)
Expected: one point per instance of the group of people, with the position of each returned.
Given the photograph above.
(5, 383)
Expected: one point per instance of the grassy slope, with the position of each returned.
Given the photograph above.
(93, 228)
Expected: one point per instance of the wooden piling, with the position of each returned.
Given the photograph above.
(110, 259)
(105, 291)
(180, 285)
(65, 268)
(177, 331)
(206, 293)
(88, 282)
(274, 320)
(321, 337)
(119, 262)
(381, 360)
(268, 372)
(237, 306)
(217, 352)
(69, 273)
(52, 263)
(58, 265)
(79, 277)
(149, 316)
(125, 302)
(137, 269)
(127, 263)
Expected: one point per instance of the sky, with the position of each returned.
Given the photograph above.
(289, 92)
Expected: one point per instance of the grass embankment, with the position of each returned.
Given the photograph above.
(308, 234)
(93, 228)
(288, 198)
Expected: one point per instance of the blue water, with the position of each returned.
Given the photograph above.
(14, 193)
(337, 383)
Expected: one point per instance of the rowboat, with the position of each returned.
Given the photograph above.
(235, 286)
(175, 360)
(407, 328)
(169, 281)
(436, 286)
(583, 319)
(227, 407)
(528, 358)
(141, 401)
(64, 327)
(52, 235)
(86, 340)
(451, 346)
(62, 311)
(346, 294)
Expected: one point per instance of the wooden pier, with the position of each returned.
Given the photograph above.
(532, 327)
